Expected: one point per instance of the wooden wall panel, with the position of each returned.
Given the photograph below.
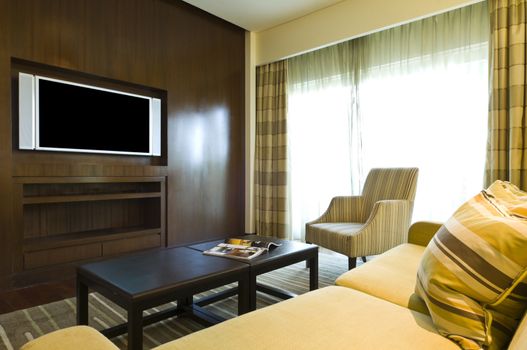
(8, 238)
(195, 57)
(207, 148)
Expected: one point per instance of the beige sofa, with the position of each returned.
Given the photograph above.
(372, 307)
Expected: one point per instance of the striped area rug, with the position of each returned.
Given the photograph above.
(16, 328)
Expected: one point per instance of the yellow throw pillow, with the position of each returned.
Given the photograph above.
(472, 274)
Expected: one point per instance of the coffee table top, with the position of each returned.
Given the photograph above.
(287, 248)
(159, 270)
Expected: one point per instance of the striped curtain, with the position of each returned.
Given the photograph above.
(271, 150)
(507, 141)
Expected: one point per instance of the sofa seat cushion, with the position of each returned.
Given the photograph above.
(519, 340)
(336, 236)
(390, 276)
(73, 338)
(328, 318)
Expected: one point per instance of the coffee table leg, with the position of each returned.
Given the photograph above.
(244, 294)
(82, 303)
(313, 272)
(252, 291)
(135, 328)
(187, 301)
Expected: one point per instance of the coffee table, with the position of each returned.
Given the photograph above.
(290, 252)
(142, 281)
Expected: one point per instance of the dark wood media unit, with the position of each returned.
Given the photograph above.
(71, 208)
(72, 219)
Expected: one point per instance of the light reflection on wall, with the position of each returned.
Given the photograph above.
(209, 137)
(206, 153)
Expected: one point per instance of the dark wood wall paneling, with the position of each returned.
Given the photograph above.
(7, 235)
(166, 44)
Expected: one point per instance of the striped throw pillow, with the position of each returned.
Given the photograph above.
(473, 273)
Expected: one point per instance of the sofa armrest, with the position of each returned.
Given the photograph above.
(421, 232)
(386, 227)
(342, 209)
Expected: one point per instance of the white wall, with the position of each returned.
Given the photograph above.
(343, 21)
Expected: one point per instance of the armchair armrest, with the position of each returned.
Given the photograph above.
(421, 232)
(386, 227)
(342, 209)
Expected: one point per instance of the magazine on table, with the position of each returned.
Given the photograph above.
(242, 249)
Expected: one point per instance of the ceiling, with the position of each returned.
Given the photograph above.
(257, 15)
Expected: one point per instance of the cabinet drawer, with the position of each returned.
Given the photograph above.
(61, 255)
(131, 244)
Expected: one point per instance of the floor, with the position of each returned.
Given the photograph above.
(39, 294)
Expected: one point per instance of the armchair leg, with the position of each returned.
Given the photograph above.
(363, 259)
(352, 263)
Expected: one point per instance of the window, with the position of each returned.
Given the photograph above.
(414, 95)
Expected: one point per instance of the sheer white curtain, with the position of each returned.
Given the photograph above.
(414, 95)
(323, 138)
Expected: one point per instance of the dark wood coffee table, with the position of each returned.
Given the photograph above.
(142, 281)
(290, 252)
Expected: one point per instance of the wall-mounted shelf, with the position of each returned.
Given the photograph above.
(87, 198)
(72, 219)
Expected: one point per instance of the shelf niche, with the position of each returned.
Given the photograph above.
(76, 219)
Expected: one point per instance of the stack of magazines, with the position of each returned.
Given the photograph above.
(242, 249)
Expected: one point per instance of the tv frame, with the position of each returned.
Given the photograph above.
(29, 117)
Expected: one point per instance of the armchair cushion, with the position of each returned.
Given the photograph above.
(472, 275)
(335, 236)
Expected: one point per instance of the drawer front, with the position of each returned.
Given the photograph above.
(54, 256)
(131, 244)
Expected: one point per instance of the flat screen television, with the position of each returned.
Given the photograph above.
(58, 115)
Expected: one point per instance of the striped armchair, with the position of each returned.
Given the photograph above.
(372, 223)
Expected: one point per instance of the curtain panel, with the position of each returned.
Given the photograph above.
(271, 150)
(507, 140)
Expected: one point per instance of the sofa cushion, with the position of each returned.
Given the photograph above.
(471, 275)
(519, 341)
(73, 338)
(390, 276)
(328, 318)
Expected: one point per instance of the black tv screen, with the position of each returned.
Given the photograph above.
(79, 118)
